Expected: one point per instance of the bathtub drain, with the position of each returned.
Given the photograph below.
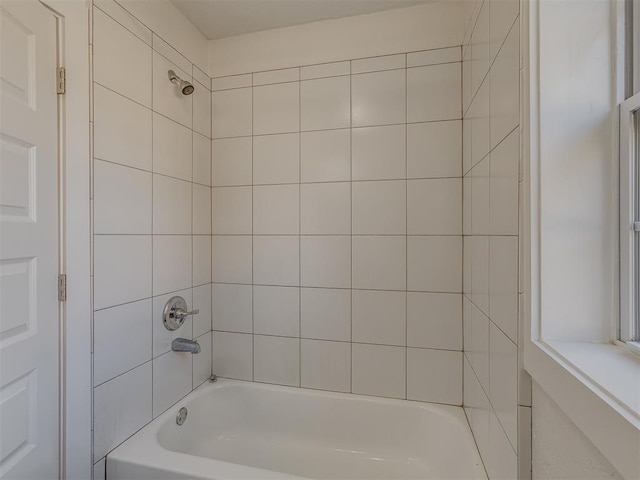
(182, 416)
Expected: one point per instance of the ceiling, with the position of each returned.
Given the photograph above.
(226, 18)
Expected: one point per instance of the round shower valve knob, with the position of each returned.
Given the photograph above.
(175, 313)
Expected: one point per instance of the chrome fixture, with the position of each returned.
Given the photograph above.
(213, 378)
(181, 416)
(175, 313)
(185, 87)
(185, 345)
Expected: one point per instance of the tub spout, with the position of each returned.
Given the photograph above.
(185, 345)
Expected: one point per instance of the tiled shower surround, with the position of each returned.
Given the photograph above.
(151, 225)
(337, 226)
(497, 391)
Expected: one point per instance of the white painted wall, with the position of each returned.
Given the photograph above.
(560, 449)
(578, 169)
(423, 27)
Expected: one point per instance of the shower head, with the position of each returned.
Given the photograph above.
(185, 87)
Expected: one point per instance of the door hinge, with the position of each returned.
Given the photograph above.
(61, 82)
(635, 226)
(62, 288)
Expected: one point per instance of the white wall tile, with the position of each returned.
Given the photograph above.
(434, 376)
(201, 159)
(231, 161)
(99, 470)
(122, 199)
(478, 256)
(232, 308)
(325, 261)
(276, 360)
(201, 110)
(480, 55)
(122, 129)
(121, 339)
(276, 76)
(433, 57)
(374, 64)
(325, 314)
(121, 407)
(378, 370)
(276, 108)
(233, 355)
(434, 320)
(201, 301)
(124, 18)
(476, 341)
(503, 186)
(378, 98)
(201, 259)
(477, 409)
(232, 210)
(171, 265)
(276, 260)
(325, 103)
(434, 93)
(503, 284)
(203, 79)
(434, 206)
(379, 153)
(502, 16)
(172, 379)
(122, 269)
(379, 263)
(111, 40)
(167, 97)
(201, 210)
(434, 264)
(379, 317)
(480, 198)
(505, 88)
(162, 337)
(434, 149)
(231, 258)
(276, 311)
(479, 123)
(231, 113)
(325, 208)
(171, 206)
(169, 52)
(202, 361)
(503, 381)
(276, 159)
(379, 207)
(502, 461)
(325, 70)
(233, 81)
(325, 156)
(325, 365)
(276, 209)
(172, 148)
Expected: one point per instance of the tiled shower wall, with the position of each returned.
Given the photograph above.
(151, 225)
(337, 222)
(497, 392)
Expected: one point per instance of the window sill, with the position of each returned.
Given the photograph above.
(598, 388)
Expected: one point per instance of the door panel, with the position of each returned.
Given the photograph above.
(29, 377)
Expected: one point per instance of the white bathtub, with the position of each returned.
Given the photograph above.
(243, 430)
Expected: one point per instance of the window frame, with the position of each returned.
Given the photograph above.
(629, 328)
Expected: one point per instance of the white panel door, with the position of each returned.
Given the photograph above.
(28, 242)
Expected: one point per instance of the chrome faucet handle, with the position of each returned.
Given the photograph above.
(182, 314)
(175, 313)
